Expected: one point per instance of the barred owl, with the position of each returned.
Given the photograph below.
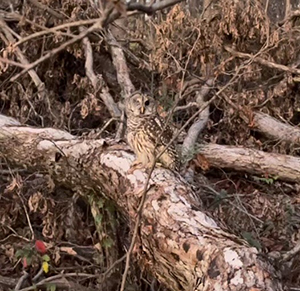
(147, 135)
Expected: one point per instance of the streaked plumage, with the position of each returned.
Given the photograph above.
(144, 127)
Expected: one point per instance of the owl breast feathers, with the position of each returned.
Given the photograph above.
(147, 135)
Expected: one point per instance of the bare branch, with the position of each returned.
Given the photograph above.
(10, 16)
(56, 30)
(291, 253)
(157, 5)
(47, 8)
(10, 62)
(263, 61)
(96, 26)
(197, 127)
(22, 280)
(290, 16)
(119, 62)
(34, 76)
(268, 125)
(97, 81)
(187, 106)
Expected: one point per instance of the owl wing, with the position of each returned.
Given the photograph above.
(154, 130)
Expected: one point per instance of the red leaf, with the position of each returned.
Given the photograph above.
(25, 265)
(40, 247)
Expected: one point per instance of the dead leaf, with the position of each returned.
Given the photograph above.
(37, 202)
(202, 162)
(68, 250)
(15, 183)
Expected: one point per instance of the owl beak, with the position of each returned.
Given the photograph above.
(142, 110)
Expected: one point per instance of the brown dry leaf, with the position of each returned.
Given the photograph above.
(4, 66)
(98, 247)
(84, 110)
(120, 6)
(15, 183)
(50, 183)
(10, 252)
(69, 251)
(57, 256)
(267, 242)
(88, 105)
(249, 114)
(37, 202)
(202, 162)
(161, 112)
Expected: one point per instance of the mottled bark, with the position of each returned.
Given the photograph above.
(181, 245)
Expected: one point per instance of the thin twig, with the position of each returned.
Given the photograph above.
(47, 8)
(292, 14)
(34, 76)
(106, 125)
(55, 277)
(96, 26)
(27, 217)
(287, 8)
(242, 208)
(187, 106)
(56, 30)
(7, 61)
(136, 227)
(290, 254)
(21, 280)
(38, 275)
(263, 61)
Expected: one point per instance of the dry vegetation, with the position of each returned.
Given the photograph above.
(170, 55)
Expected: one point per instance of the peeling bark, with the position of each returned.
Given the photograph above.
(183, 247)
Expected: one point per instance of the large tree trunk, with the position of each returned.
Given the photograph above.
(183, 247)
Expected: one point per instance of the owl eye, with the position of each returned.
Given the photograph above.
(147, 102)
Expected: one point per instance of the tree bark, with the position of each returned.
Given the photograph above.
(182, 246)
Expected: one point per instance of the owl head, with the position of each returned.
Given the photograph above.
(140, 105)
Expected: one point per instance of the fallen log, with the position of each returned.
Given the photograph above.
(252, 161)
(275, 129)
(181, 245)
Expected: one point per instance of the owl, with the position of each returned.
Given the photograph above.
(147, 135)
